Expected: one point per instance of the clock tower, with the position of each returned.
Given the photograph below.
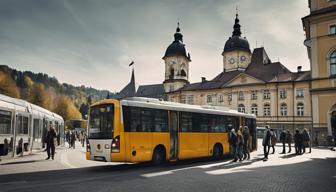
(176, 60)
(236, 53)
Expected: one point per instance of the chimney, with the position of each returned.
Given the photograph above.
(299, 69)
(203, 79)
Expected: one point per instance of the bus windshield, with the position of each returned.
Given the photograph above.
(101, 122)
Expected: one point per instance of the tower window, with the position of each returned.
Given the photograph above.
(183, 73)
(171, 74)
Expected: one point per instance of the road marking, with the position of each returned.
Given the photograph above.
(64, 161)
(157, 174)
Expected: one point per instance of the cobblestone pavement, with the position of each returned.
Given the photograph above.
(70, 172)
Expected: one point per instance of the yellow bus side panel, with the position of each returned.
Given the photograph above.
(221, 138)
(142, 143)
(193, 145)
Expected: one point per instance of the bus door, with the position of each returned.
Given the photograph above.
(173, 129)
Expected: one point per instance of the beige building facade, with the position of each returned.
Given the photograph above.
(320, 29)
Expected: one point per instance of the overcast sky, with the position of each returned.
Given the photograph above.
(91, 42)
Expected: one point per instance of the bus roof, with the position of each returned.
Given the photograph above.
(159, 104)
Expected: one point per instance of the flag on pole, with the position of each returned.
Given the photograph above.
(131, 63)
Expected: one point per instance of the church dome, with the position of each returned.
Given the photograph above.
(236, 42)
(177, 47)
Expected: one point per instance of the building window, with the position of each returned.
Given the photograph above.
(183, 99)
(333, 63)
(240, 95)
(171, 73)
(254, 95)
(191, 99)
(254, 109)
(267, 94)
(300, 109)
(267, 110)
(230, 97)
(299, 93)
(241, 108)
(183, 73)
(332, 30)
(283, 109)
(221, 98)
(209, 99)
(283, 94)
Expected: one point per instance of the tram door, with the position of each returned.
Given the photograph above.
(173, 123)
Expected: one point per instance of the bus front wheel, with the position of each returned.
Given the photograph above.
(217, 151)
(159, 156)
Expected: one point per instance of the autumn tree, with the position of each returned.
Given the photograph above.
(39, 96)
(8, 86)
(65, 108)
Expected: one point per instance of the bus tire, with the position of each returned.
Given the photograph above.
(159, 155)
(217, 152)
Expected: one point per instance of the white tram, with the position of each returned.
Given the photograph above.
(23, 126)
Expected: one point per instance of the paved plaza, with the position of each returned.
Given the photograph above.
(71, 172)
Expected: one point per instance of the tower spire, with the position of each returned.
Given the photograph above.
(236, 26)
(178, 36)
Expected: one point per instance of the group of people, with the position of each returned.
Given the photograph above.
(239, 141)
(72, 136)
(301, 141)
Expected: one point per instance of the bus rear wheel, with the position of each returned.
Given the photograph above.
(159, 156)
(217, 152)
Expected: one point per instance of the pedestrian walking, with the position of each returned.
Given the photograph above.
(50, 140)
(289, 141)
(233, 143)
(266, 142)
(298, 142)
(67, 137)
(73, 139)
(246, 147)
(240, 142)
(306, 140)
(283, 141)
(273, 140)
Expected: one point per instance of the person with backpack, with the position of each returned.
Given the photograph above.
(233, 143)
(266, 142)
(246, 149)
(283, 141)
(298, 142)
(240, 143)
(273, 140)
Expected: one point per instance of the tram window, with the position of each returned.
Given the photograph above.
(186, 122)
(36, 127)
(5, 122)
(24, 125)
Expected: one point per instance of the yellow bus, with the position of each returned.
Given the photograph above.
(144, 129)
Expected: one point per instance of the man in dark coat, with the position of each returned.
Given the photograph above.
(283, 141)
(51, 135)
(246, 147)
(266, 142)
(298, 142)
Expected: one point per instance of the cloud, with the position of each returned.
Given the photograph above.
(92, 42)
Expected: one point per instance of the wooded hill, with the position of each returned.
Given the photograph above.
(71, 102)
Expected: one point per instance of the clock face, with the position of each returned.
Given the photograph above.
(243, 58)
(231, 60)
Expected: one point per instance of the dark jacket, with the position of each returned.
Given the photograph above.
(283, 136)
(246, 136)
(298, 138)
(267, 138)
(306, 136)
(233, 139)
(288, 137)
(51, 135)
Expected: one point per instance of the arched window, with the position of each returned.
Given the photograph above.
(267, 110)
(283, 109)
(254, 109)
(241, 108)
(300, 109)
(171, 73)
(183, 73)
(333, 63)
